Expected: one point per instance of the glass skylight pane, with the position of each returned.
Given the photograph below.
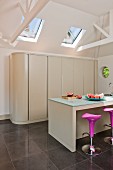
(73, 37)
(32, 30)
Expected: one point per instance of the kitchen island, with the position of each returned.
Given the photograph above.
(62, 116)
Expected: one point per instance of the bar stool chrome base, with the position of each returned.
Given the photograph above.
(86, 149)
(109, 140)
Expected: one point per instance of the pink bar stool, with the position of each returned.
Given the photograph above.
(89, 148)
(109, 139)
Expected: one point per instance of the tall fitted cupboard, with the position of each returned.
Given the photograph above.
(54, 77)
(78, 76)
(70, 75)
(67, 75)
(28, 88)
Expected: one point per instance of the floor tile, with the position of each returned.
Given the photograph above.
(25, 133)
(47, 142)
(84, 165)
(35, 162)
(4, 156)
(105, 160)
(30, 147)
(22, 149)
(7, 166)
(1, 140)
(7, 121)
(63, 158)
(38, 132)
(16, 136)
(38, 124)
(10, 127)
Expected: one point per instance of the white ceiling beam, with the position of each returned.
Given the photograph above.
(32, 14)
(22, 10)
(107, 40)
(111, 22)
(101, 30)
(95, 44)
(27, 5)
(5, 42)
(30, 5)
(13, 44)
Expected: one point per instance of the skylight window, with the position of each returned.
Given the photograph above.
(73, 37)
(32, 31)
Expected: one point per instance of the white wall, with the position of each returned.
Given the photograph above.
(103, 83)
(4, 82)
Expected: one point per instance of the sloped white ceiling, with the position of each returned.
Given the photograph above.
(58, 19)
(10, 17)
(95, 7)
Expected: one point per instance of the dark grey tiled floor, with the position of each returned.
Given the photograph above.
(30, 147)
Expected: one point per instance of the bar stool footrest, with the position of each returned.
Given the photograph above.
(109, 140)
(108, 125)
(85, 133)
(86, 149)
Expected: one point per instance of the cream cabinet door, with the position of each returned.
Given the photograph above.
(67, 75)
(19, 87)
(89, 76)
(54, 77)
(78, 76)
(37, 87)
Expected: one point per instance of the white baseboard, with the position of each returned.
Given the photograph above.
(6, 116)
(27, 122)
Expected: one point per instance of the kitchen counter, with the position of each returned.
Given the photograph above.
(81, 102)
(63, 122)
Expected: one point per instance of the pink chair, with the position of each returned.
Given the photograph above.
(89, 148)
(109, 139)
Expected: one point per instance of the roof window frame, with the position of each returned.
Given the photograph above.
(75, 40)
(28, 39)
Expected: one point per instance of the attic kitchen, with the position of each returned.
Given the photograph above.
(56, 84)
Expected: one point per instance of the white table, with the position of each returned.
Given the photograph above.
(62, 118)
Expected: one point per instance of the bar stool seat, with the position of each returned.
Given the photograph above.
(89, 148)
(109, 140)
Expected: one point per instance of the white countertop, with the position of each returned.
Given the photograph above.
(81, 102)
